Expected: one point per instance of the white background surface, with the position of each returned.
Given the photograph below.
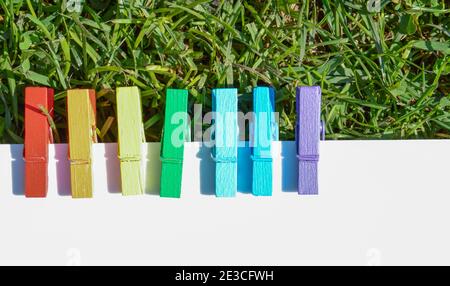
(380, 203)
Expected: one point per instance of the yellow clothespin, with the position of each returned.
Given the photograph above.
(81, 108)
(131, 137)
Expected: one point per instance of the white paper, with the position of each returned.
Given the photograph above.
(379, 203)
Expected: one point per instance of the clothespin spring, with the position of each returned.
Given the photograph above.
(171, 160)
(308, 158)
(223, 160)
(130, 159)
(80, 162)
(35, 160)
(261, 159)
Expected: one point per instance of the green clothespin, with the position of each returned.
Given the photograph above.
(176, 131)
(131, 136)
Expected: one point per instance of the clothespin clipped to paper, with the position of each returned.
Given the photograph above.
(176, 131)
(225, 150)
(309, 130)
(81, 110)
(263, 131)
(38, 134)
(131, 137)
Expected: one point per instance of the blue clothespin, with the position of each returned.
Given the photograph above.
(264, 130)
(224, 153)
(309, 130)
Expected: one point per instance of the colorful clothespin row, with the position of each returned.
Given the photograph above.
(263, 131)
(131, 137)
(176, 131)
(225, 150)
(309, 130)
(38, 134)
(81, 107)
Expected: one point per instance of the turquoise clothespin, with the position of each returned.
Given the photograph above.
(224, 153)
(264, 130)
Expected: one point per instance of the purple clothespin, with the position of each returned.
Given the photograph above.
(309, 130)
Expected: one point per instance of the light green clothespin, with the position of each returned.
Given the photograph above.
(131, 137)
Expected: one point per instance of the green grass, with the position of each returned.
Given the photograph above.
(383, 75)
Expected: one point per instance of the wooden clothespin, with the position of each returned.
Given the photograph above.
(224, 153)
(176, 131)
(38, 134)
(309, 131)
(131, 137)
(81, 106)
(263, 131)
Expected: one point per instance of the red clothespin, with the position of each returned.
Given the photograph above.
(38, 134)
